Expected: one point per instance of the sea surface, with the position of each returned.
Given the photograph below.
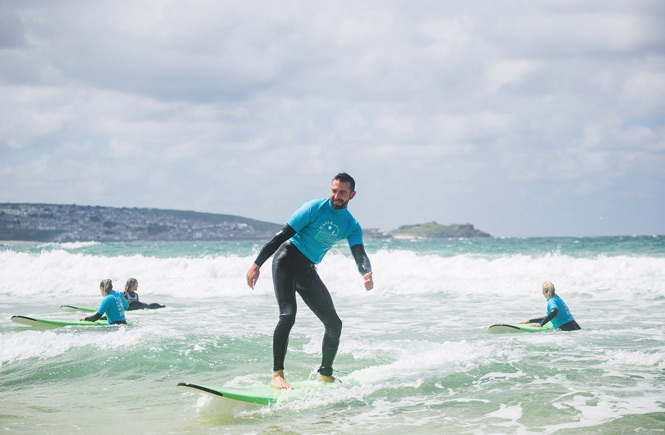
(415, 354)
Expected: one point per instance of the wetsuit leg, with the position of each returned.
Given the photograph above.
(317, 297)
(136, 305)
(284, 281)
(292, 272)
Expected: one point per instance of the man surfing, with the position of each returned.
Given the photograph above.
(298, 247)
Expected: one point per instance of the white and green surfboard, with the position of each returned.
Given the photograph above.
(46, 324)
(73, 309)
(512, 328)
(259, 394)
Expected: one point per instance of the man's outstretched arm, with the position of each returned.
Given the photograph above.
(282, 236)
(364, 266)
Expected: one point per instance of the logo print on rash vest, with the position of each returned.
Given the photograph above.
(328, 234)
(118, 303)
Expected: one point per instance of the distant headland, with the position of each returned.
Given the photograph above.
(75, 223)
(433, 230)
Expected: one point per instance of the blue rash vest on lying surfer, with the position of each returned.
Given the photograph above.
(559, 314)
(113, 305)
(563, 315)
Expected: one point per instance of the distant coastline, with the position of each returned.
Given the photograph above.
(33, 223)
(23, 222)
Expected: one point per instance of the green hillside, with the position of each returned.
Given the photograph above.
(435, 230)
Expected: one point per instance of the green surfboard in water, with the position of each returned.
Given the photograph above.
(511, 328)
(44, 323)
(72, 309)
(259, 394)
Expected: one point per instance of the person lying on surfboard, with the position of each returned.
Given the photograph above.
(310, 232)
(557, 311)
(132, 296)
(113, 305)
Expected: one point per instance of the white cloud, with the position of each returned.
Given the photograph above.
(470, 127)
(28, 113)
(466, 102)
(644, 92)
(508, 73)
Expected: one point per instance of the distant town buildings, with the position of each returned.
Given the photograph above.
(73, 223)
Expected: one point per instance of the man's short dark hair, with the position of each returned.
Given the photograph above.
(343, 177)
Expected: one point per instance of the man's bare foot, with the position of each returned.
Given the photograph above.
(278, 381)
(329, 379)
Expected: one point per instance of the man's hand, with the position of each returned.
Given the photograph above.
(369, 284)
(253, 275)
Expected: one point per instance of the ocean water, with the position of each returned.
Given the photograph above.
(415, 355)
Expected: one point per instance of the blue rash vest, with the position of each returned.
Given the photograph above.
(319, 226)
(563, 316)
(113, 305)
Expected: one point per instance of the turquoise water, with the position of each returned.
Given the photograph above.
(415, 355)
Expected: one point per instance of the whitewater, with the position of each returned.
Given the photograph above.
(415, 355)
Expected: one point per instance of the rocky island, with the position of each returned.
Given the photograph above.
(433, 230)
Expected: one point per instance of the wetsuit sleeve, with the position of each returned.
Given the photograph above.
(94, 317)
(536, 320)
(552, 314)
(102, 309)
(282, 236)
(362, 260)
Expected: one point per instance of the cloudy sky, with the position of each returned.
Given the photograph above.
(524, 118)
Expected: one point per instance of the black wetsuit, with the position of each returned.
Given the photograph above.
(135, 304)
(98, 316)
(569, 326)
(293, 272)
(138, 305)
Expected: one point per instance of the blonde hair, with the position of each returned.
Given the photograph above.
(548, 289)
(130, 283)
(106, 285)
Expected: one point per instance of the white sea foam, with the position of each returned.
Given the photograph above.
(59, 272)
(415, 355)
(78, 245)
(638, 359)
(49, 344)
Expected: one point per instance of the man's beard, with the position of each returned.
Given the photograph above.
(340, 204)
